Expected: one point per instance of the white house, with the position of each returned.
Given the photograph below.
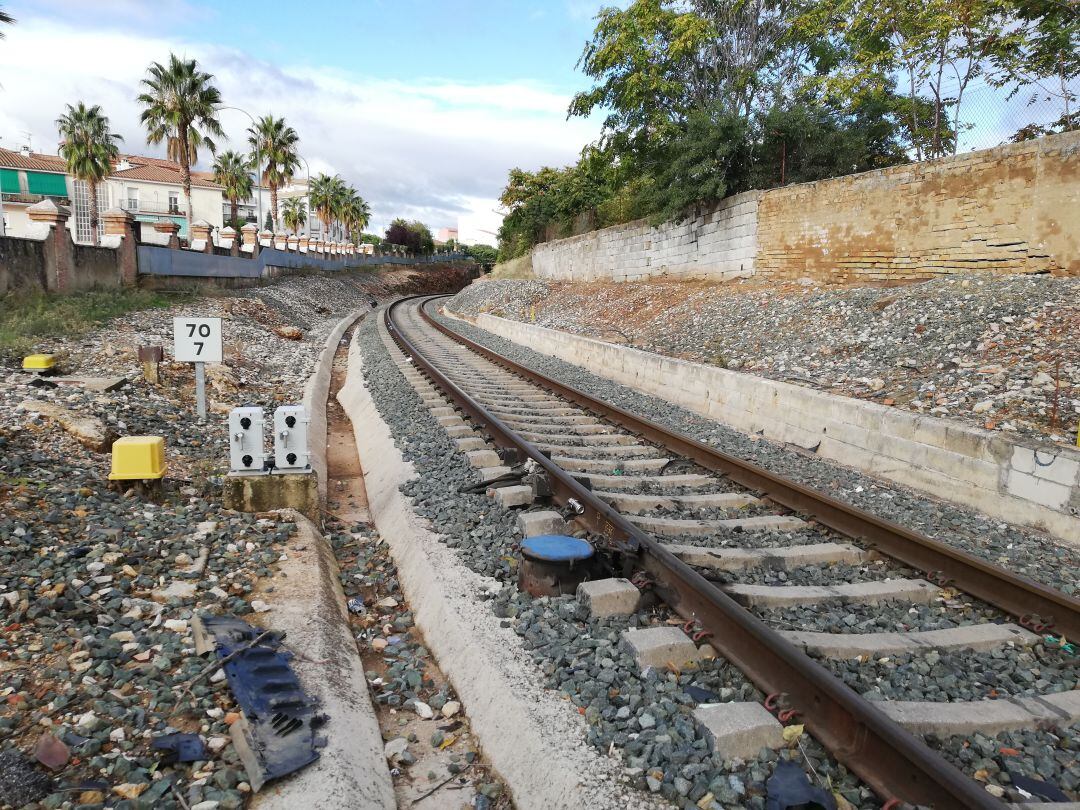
(147, 187)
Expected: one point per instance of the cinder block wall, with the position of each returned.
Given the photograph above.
(1012, 209)
(717, 245)
(1026, 483)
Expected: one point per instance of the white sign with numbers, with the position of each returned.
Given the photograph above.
(197, 340)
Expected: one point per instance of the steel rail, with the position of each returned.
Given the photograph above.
(891, 761)
(945, 565)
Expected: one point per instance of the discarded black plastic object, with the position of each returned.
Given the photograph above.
(275, 734)
(180, 747)
(788, 788)
(701, 695)
(1038, 789)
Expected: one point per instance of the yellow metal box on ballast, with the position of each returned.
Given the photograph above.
(39, 362)
(138, 458)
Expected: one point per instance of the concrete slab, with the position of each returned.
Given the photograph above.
(532, 524)
(781, 557)
(673, 527)
(509, 497)
(660, 646)
(865, 593)
(739, 730)
(978, 637)
(608, 466)
(632, 504)
(609, 597)
(470, 443)
(988, 717)
(618, 482)
(98, 385)
(478, 459)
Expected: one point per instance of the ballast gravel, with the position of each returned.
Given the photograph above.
(1022, 551)
(643, 717)
(994, 351)
(1019, 550)
(98, 587)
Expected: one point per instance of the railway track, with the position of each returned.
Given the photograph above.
(739, 552)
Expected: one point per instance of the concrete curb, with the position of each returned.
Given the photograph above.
(309, 606)
(526, 742)
(316, 390)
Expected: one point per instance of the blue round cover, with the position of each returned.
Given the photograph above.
(557, 548)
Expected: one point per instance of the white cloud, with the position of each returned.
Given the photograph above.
(434, 149)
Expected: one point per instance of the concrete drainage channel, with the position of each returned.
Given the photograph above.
(396, 735)
(680, 786)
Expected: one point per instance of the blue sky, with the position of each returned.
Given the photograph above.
(423, 105)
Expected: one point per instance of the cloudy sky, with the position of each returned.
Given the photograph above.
(424, 105)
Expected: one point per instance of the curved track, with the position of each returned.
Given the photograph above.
(670, 486)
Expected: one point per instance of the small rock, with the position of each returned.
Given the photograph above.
(450, 708)
(423, 710)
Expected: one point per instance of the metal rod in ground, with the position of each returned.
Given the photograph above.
(200, 389)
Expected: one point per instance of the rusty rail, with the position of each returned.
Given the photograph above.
(894, 763)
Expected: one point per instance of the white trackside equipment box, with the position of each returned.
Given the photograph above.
(291, 452)
(247, 453)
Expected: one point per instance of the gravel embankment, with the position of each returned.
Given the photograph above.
(992, 351)
(98, 587)
(646, 719)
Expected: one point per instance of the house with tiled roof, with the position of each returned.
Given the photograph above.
(147, 187)
(26, 178)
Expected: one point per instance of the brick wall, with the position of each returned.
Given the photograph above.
(968, 465)
(1012, 209)
(716, 245)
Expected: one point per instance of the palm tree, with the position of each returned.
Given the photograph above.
(89, 148)
(275, 142)
(294, 214)
(355, 213)
(180, 106)
(232, 171)
(7, 19)
(324, 194)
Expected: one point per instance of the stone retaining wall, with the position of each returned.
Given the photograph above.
(715, 245)
(1011, 209)
(1025, 483)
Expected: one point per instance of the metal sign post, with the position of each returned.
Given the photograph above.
(198, 341)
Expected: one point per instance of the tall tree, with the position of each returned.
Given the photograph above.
(355, 213)
(180, 106)
(89, 147)
(5, 19)
(275, 143)
(232, 171)
(294, 214)
(324, 195)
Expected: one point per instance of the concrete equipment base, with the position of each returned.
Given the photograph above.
(265, 493)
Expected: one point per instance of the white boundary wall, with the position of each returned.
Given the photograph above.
(1025, 483)
(717, 245)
